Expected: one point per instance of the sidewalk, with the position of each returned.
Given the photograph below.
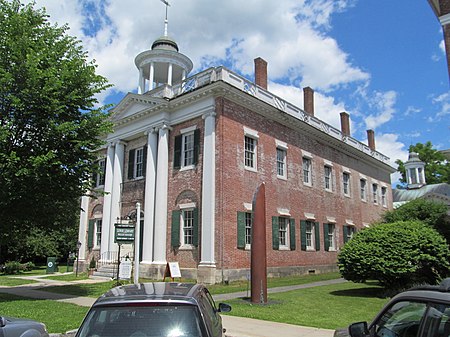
(235, 326)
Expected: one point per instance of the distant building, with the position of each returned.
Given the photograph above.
(442, 10)
(417, 186)
(192, 151)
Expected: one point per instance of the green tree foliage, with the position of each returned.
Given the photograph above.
(427, 211)
(397, 255)
(437, 167)
(50, 123)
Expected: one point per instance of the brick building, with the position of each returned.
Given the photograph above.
(193, 150)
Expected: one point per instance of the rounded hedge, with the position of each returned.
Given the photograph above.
(397, 255)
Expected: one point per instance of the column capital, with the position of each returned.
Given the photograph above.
(162, 126)
(211, 113)
(116, 142)
(151, 130)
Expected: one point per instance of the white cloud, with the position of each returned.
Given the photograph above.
(384, 104)
(443, 103)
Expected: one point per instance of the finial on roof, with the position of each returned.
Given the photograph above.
(166, 21)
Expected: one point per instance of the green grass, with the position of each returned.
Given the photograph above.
(328, 307)
(69, 277)
(57, 316)
(9, 281)
(82, 289)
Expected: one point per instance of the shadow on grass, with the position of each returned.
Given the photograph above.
(85, 290)
(367, 292)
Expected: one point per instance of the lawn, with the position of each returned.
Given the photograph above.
(328, 307)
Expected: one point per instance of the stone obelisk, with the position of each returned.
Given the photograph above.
(258, 266)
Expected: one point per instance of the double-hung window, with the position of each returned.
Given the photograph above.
(99, 177)
(187, 227)
(248, 228)
(375, 193)
(346, 183)
(186, 148)
(349, 231)
(328, 178)
(310, 235)
(362, 189)
(98, 232)
(250, 152)
(281, 163)
(184, 231)
(244, 229)
(329, 231)
(383, 196)
(137, 162)
(283, 233)
(307, 174)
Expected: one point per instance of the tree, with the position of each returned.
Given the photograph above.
(430, 212)
(50, 125)
(397, 255)
(437, 167)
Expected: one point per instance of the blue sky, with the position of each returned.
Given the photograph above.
(382, 61)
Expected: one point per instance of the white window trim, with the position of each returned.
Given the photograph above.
(365, 189)
(247, 245)
(187, 132)
(100, 174)
(96, 246)
(375, 193)
(284, 176)
(310, 216)
(283, 212)
(313, 236)
(255, 167)
(309, 183)
(251, 133)
(384, 201)
(330, 188)
(307, 154)
(281, 145)
(349, 193)
(185, 207)
(334, 241)
(287, 245)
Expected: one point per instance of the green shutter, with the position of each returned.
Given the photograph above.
(303, 234)
(195, 234)
(241, 230)
(292, 233)
(326, 239)
(144, 164)
(345, 230)
(275, 234)
(177, 152)
(175, 232)
(131, 164)
(196, 145)
(91, 226)
(317, 229)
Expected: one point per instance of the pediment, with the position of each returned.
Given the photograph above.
(133, 104)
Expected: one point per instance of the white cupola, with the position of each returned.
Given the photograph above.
(415, 171)
(163, 64)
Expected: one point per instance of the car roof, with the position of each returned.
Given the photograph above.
(439, 292)
(186, 293)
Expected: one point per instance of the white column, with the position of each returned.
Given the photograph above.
(208, 192)
(183, 75)
(116, 191)
(169, 74)
(141, 88)
(106, 217)
(152, 76)
(162, 172)
(84, 217)
(149, 202)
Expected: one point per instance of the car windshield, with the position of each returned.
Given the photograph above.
(142, 321)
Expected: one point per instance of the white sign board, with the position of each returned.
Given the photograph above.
(174, 269)
(125, 270)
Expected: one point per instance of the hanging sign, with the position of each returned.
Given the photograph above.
(124, 233)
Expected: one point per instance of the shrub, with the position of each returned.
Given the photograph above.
(12, 267)
(29, 266)
(397, 255)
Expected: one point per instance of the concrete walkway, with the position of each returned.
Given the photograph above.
(235, 326)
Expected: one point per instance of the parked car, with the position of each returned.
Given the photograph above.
(419, 312)
(154, 309)
(21, 327)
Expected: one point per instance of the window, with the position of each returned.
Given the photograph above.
(186, 148)
(187, 154)
(384, 196)
(250, 152)
(375, 193)
(412, 174)
(329, 232)
(362, 188)
(349, 231)
(346, 183)
(307, 178)
(248, 228)
(187, 227)
(99, 176)
(244, 230)
(137, 162)
(283, 233)
(281, 163)
(98, 232)
(184, 231)
(310, 237)
(328, 178)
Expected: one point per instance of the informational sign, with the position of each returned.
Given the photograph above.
(124, 233)
(172, 270)
(125, 270)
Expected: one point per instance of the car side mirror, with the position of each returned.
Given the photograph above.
(359, 329)
(223, 307)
